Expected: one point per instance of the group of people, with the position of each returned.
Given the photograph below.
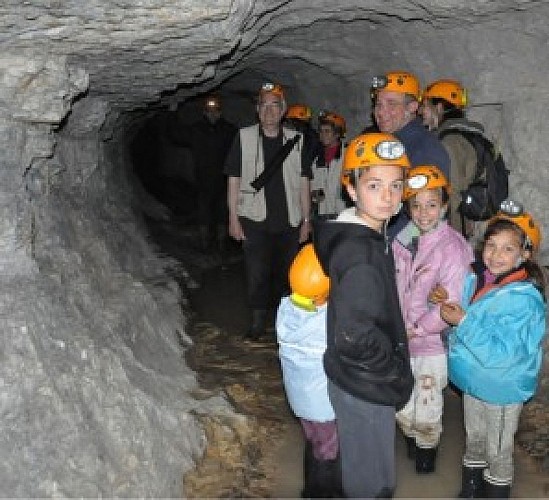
(390, 300)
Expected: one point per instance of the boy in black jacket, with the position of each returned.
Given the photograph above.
(366, 358)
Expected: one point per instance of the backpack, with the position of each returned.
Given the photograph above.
(481, 199)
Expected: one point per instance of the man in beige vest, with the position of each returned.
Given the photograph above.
(271, 221)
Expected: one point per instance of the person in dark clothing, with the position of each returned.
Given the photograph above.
(272, 220)
(366, 358)
(209, 140)
(396, 102)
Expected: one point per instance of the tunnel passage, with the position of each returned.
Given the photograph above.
(96, 399)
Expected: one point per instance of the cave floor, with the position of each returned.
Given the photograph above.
(261, 456)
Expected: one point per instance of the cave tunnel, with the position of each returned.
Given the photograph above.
(105, 389)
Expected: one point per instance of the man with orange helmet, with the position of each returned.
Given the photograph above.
(209, 140)
(272, 219)
(396, 97)
(366, 358)
(298, 117)
(301, 335)
(443, 111)
(326, 189)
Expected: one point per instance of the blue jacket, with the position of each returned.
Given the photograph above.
(423, 147)
(495, 353)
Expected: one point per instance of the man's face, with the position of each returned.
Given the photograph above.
(212, 114)
(391, 111)
(430, 114)
(270, 109)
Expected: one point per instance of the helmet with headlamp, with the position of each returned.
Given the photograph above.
(402, 82)
(372, 150)
(513, 211)
(271, 88)
(424, 177)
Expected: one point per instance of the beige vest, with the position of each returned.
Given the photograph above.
(251, 204)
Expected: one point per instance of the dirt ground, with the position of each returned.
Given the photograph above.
(257, 453)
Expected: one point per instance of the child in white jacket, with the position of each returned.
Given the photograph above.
(301, 334)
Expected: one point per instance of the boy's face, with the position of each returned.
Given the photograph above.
(426, 209)
(378, 194)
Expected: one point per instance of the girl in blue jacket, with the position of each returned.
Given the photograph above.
(495, 350)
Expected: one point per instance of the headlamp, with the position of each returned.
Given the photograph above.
(379, 82)
(268, 86)
(211, 103)
(511, 208)
(389, 150)
(417, 181)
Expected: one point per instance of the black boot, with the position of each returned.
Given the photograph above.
(410, 447)
(425, 460)
(307, 466)
(259, 322)
(324, 479)
(472, 483)
(496, 490)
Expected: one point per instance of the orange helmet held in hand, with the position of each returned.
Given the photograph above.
(310, 286)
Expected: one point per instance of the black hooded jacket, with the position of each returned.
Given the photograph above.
(367, 350)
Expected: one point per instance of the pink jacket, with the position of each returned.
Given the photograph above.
(443, 257)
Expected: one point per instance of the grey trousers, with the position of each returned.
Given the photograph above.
(490, 432)
(366, 443)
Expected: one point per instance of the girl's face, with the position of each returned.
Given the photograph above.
(426, 209)
(377, 194)
(328, 136)
(503, 252)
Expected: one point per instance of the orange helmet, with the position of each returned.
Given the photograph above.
(271, 88)
(513, 212)
(299, 112)
(310, 286)
(334, 119)
(373, 149)
(449, 90)
(424, 177)
(397, 81)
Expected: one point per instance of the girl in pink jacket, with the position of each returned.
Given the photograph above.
(427, 252)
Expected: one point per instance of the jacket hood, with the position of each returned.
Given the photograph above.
(327, 235)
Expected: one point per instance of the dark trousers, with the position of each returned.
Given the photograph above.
(268, 258)
(366, 443)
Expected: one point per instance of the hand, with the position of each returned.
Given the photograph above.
(438, 294)
(235, 229)
(410, 333)
(452, 313)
